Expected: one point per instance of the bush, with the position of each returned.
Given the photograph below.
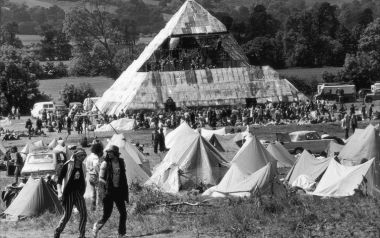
(71, 93)
(306, 87)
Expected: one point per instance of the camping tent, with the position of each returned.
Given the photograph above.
(364, 144)
(181, 131)
(123, 124)
(308, 165)
(226, 145)
(283, 157)
(340, 180)
(35, 198)
(53, 144)
(258, 181)
(332, 148)
(191, 161)
(207, 134)
(29, 147)
(252, 168)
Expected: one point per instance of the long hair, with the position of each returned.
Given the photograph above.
(97, 149)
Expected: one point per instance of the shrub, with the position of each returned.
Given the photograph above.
(71, 93)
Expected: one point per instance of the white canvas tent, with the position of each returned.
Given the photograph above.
(180, 132)
(283, 157)
(340, 180)
(122, 124)
(364, 144)
(333, 148)
(189, 162)
(207, 134)
(308, 165)
(252, 169)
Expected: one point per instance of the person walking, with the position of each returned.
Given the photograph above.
(72, 175)
(93, 162)
(113, 181)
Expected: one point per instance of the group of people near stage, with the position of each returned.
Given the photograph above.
(308, 112)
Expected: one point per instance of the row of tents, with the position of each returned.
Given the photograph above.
(193, 160)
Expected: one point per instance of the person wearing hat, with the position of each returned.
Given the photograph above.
(113, 180)
(72, 176)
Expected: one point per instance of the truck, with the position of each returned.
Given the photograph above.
(374, 94)
(336, 92)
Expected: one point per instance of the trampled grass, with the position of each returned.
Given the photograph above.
(52, 87)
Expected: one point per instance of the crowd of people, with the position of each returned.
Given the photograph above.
(261, 114)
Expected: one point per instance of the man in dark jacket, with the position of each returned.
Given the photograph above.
(72, 175)
(114, 188)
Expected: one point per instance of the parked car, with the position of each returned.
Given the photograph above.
(43, 162)
(373, 96)
(39, 107)
(296, 142)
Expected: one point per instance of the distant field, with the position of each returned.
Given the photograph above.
(33, 3)
(307, 73)
(30, 39)
(52, 87)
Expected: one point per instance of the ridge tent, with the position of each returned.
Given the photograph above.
(364, 144)
(178, 133)
(35, 198)
(252, 168)
(32, 146)
(122, 124)
(225, 144)
(308, 165)
(282, 155)
(190, 161)
(260, 180)
(207, 134)
(53, 144)
(332, 148)
(340, 180)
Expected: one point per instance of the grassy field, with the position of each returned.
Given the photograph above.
(52, 87)
(308, 74)
(279, 215)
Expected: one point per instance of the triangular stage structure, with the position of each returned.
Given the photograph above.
(35, 198)
(195, 61)
(252, 169)
(189, 163)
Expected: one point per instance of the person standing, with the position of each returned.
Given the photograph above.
(346, 125)
(370, 111)
(113, 181)
(72, 175)
(29, 125)
(18, 162)
(18, 113)
(68, 124)
(364, 115)
(93, 162)
(353, 122)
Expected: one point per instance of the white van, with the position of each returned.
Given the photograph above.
(39, 107)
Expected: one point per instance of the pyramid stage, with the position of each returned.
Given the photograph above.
(195, 61)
